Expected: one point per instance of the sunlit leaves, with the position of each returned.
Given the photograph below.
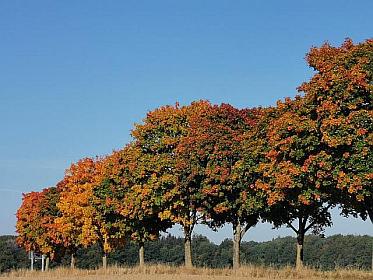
(81, 220)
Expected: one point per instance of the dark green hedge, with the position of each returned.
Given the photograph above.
(325, 253)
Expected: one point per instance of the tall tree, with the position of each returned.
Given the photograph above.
(207, 156)
(157, 138)
(296, 174)
(253, 148)
(342, 91)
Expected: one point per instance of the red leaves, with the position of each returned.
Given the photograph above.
(36, 225)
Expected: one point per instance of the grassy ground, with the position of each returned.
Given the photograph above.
(161, 272)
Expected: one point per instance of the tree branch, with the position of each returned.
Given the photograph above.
(292, 227)
(370, 214)
(247, 227)
(194, 218)
(315, 221)
(303, 222)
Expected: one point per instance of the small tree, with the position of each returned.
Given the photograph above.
(36, 226)
(81, 218)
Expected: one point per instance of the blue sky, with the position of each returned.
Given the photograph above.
(76, 75)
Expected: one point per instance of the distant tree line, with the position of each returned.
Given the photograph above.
(215, 164)
(323, 253)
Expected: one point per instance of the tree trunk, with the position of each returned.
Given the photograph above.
(300, 241)
(141, 254)
(73, 261)
(47, 264)
(236, 245)
(104, 261)
(370, 214)
(187, 247)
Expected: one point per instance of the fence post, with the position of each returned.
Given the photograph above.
(32, 260)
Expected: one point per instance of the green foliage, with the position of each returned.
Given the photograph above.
(127, 198)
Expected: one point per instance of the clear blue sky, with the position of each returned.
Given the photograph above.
(76, 75)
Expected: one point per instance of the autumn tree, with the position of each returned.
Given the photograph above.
(130, 197)
(253, 147)
(207, 156)
(36, 227)
(157, 138)
(341, 89)
(296, 174)
(82, 218)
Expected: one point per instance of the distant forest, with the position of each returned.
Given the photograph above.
(323, 253)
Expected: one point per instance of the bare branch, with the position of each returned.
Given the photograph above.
(292, 227)
(315, 221)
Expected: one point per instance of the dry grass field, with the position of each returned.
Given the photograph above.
(161, 272)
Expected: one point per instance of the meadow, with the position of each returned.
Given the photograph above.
(162, 272)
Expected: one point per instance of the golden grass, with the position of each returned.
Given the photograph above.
(163, 272)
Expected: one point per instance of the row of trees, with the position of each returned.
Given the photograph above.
(203, 163)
